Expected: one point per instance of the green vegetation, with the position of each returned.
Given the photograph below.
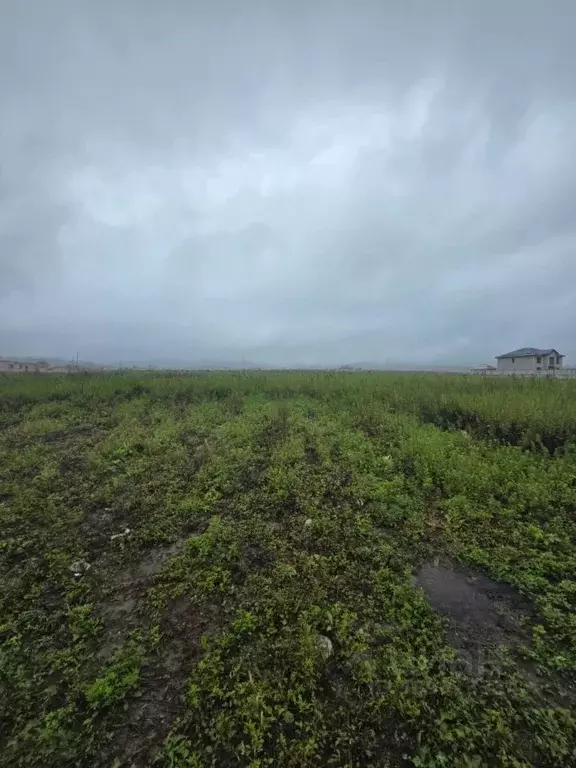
(539, 414)
(222, 569)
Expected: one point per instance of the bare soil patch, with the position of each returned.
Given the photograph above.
(150, 717)
(482, 613)
(125, 608)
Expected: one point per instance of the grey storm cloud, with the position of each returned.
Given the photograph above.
(288, 182)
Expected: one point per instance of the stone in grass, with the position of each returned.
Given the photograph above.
(125, 532)
(79, 568)
(324, 645)
(308, 522)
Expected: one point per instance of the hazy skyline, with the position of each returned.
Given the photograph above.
(287, 182)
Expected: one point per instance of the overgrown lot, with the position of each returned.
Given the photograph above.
(287, 569)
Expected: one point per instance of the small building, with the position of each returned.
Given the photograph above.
(10, 365)
(530, 360)
(483, 370)
(15, 366)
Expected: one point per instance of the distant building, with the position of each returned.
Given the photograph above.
(483, 370)
(530, 359)
(10, 365)
(41, 366)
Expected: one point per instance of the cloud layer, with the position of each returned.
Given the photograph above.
(293, 183)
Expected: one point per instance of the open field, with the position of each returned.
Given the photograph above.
(287, 569)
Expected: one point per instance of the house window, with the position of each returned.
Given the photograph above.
(551, 362)
(558, 360)
(513, 359)
(538, 360)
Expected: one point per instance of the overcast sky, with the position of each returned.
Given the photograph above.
(291, 182)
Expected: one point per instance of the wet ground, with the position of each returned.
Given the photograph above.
(481, 614)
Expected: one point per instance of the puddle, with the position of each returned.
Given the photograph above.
(482, 613)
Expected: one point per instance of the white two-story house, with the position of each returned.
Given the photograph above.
(529, 359)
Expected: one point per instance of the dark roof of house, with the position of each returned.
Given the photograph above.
(530, 352)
